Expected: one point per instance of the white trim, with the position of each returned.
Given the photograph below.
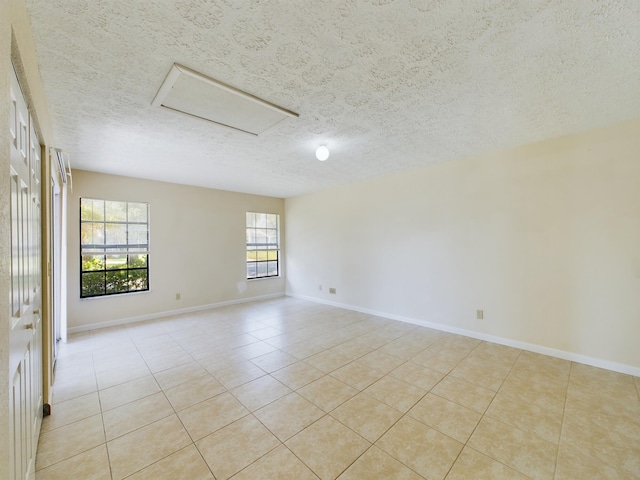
(531, 347)
(169, 313)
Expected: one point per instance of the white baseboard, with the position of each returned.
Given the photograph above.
(168, 313)
(531, 347)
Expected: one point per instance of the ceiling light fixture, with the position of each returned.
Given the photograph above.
(322, 153)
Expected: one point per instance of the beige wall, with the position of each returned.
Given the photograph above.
(545, 238)
(197, 244)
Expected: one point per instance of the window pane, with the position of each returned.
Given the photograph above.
(137, 261)
(116, 262)
(92, 262)
(91, 209)
(138, 212)
(93, 284)
(272, 221)
(116, 233)
(117, 281)
(251, 236)
(115, 211)
(262, 269)
(252, 255)
(137, 235)
(252, 270)
(272, 236)
(261, 220)
(251, 219)
(91, 233)
(138, 280)
(272, 268)
(272, 255)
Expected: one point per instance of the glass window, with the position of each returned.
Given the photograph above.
(263, 245)
(114, 247)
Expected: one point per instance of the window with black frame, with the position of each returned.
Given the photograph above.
(263, 245)
(114, 247)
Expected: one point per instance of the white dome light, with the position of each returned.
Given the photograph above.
(322, 153)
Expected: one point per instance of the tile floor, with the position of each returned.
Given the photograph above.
(287, 389)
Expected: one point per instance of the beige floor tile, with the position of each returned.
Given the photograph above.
(464, 393)
(417, 375)
(617, 395)
(71, 411)
(573, 463)
(543, 394)
(374, 340)
(402, 349)
(90, 465)
(439, 359)
(619, 449)
(288, 415)
(136, 414)
(205, 418)
(327, 447)
(520, 450)
(114, 359)
(167, 361)
(445, 416)
(352, 349)
(260, 392)
(303, 349)
(194, 392)
(544, 422)
(474, 465)
(185, 464)
(421, 448)
(238, 374)
(77, 387)
(111, 378)
(366, 416)
(68, 441)
(136, 450)
(266, 333)
(422, 337)
(395, 393)
(128, 392)
(374, 464)
(357, 375)
(270, 362)
(328, 361)
(297, 375)
(327, 392)
(381, 361)
(232, 448)
(178, 375)
(278, 464)
(253, 350)
(484, 374)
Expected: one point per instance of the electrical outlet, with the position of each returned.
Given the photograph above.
(177, 296)
(479, 314)
(332, 291)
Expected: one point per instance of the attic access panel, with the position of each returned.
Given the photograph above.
(187, 91)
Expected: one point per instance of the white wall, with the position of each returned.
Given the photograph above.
(545, 238)
(197, 243)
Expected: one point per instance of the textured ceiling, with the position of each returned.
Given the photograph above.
(387, 85)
